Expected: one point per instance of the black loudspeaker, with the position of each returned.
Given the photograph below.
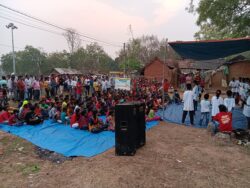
(141, 124)
(130, 128)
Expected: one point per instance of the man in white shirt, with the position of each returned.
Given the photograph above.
(28, 87)
(229, 102)
(196, 95)
(233, 86)
(104, 85)
(188, 106)
(87, 86)
(246, 110)
(216, 102)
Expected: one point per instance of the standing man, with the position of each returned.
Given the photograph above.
(21, 88)
(36, 87)
(28, 87)
(233, 86)
(196, 95)
(188, 106)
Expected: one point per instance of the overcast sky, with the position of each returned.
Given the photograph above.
(106, 20)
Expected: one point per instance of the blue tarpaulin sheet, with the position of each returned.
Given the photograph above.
(207, 50)
(65, 140)
(173, 114)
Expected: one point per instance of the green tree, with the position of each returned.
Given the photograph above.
(55, 60)
(28, 61)
(142, 50)
(220, 19)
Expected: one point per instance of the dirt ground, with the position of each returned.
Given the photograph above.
(174, 156)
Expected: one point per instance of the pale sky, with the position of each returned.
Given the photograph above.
(106, 20)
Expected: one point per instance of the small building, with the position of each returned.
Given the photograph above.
(234, 68)
(188, 66)
(154, 70)
(65, 71)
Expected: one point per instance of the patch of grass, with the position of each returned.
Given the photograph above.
(5, 140)
(30, 168)
(11, 144)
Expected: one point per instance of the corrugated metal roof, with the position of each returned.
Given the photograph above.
(203, 65)
(67, 71)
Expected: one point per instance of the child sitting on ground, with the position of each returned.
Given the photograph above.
(95, 124)
(75, 119)
(151, 116)
(14, 120)
(176, 97)
(57, 116)
(205, 110)
(110, 121)
(223, 121)
(31, 118)
(84, 121)
(4, 115)
(64, 117)
(52, 111)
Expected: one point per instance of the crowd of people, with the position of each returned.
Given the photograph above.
(79, 101)
(220, 109)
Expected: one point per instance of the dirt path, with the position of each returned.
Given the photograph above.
(174, 156)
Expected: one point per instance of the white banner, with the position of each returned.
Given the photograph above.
(122, 83)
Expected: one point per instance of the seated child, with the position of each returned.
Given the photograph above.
(110, 121)
(44, 109)
(176, 97)
(156, 104)
(52, 111)
(84, 121)
(223, 121)
(75, 120)
(57, 116)
(95, 124)
(4, 115)
(64, 117)
(23, 111)
(14, 120)
(31, 118)
(151, 116)
(38, 110)
(205, 110)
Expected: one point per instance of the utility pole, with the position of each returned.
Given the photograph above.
(12, 27)
(163, 76)
(124, 45)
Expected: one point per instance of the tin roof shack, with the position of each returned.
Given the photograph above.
(64, 71)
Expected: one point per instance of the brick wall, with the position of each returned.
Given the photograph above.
(217, 80)
(155, 70)
(240, 69)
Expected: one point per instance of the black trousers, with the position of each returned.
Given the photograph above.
(30, 93)
(248, 122)
(195, 105)
(191, 115)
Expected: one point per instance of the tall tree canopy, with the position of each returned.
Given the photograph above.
(36, 62)
(220, 19)
(140, 51)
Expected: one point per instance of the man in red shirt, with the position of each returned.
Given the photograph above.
(79, 89)
(224, 119)
(21, 88)
(166, 85)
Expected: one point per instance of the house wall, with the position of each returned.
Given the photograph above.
(216, 80)
(240, 69)
(155, 71)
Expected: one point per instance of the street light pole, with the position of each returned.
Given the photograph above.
(163, 76)
(12, 27)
